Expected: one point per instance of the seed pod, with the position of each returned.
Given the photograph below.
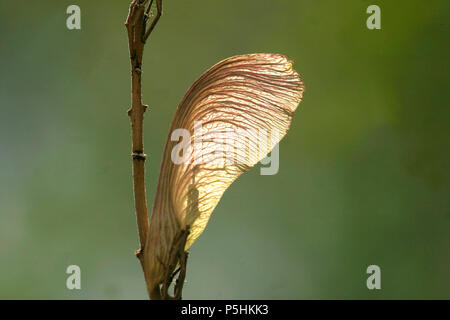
(234, 101)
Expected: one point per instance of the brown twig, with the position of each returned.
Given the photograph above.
(137, 34)
(155, 21)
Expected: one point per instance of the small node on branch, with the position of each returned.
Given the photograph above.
(139, 253)
(139, 155)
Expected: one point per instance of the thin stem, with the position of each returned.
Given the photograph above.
(135, 25)
(155, 21)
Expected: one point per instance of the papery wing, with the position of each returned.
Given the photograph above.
(235, 113)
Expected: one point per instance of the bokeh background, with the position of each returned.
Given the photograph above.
(364, 169)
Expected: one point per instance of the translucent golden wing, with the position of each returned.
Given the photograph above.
(226, 113)
(228, 120)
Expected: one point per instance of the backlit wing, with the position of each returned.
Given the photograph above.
(235, 113)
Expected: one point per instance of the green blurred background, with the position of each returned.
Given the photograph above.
(364, 169)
